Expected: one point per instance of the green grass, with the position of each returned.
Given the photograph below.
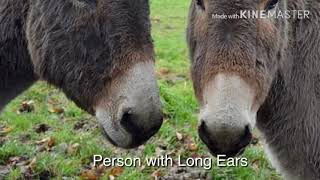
(180, 107)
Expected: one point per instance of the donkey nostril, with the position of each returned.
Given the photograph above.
(202, 127)
(127, 121)
(135, 125)
(247, 136)
(203, 132)
(247, 131)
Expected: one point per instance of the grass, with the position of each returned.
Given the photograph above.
(72, 149)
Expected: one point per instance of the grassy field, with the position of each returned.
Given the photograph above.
(58, 140)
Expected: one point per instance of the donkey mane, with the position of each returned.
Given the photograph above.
(16, 69)
(290, 117)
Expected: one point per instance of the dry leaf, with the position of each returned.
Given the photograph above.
(79, 125)
(50, 142)
(189, 143)
(101, 169)
(163, 72)
(159, 151)
(26, 107)
(111, 177)
(179, 136)
(156, 18)
(142, 167)
(74, 148)
(156, 174)
(53, 101)
(56, 110)
(41, 128)
(116, 171)
(89, 175)
(32, 163)
(255, 163)
(192, 147)
(21, 160)
(5, 130)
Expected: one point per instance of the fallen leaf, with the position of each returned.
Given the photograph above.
(159, 151)
(192, 147)
(89, 175)
(50, 142)
(116, 171)
(27, 172)
(5, 131)
(26, 107)
(53, 101)
(18, 160)
(156, 19)
(32, 163)
(189, 143)
(163, 72)
(56, 110)
(156, 174)
(173, 79)
(74, 148)
(101, 169)
(179, 136)
(142, 168)
(41, 128)
(79, 125)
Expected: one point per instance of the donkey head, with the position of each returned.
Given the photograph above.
(100, 53)
(234, 61)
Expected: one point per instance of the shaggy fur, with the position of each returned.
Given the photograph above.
(78, 46)
(281, 59)
(290, 116)
(16, 70)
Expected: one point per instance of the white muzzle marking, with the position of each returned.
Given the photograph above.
(228, 101)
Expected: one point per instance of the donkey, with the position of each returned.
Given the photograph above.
(262, 72)
(98, 52)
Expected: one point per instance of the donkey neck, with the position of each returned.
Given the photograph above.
(290, 117)
(300, 70)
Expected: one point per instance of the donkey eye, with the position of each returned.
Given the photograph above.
(272, 4)
(200, 4)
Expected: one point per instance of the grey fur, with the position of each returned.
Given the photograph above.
(87, 48)
(286, 67)
(290, 116)
(78, 46)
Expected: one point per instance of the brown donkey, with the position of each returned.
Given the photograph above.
(99, 52)
(259, 70)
